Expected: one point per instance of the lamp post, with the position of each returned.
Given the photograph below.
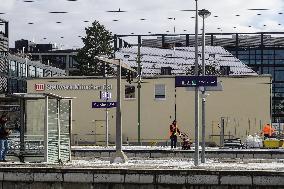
(174, 46)
(196, 97)
(139, 89)
(204, 14)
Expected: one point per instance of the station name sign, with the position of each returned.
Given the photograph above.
(195, 81)
(61, 87)
(103, 104)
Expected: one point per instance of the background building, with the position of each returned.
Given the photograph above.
(48, 54)
(4, 48)
(20, 69)
(263, 52)
(15, 69)
(244, 103)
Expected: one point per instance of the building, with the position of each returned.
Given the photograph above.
(20, 69)
(47, 54)
(15, 69)
(4, 47)
(244, 102)
(263, 52)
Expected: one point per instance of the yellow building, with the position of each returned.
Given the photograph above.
(244, 103)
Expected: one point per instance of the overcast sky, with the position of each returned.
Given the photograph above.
(156, 13)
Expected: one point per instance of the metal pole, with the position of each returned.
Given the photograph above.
(196, 151)
(139, 90)
(118, 112)
(119, 157)
(58, 129)
(203, 46)
(106, 113)
(222, 132)
(22, 127)
(203, 94)
(203, 127)
(46, 155)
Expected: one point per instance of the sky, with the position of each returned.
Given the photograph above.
(226, 16)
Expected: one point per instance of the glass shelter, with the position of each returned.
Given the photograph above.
(45, 127)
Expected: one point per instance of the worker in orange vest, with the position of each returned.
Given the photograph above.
(268, 131)
(174, 131)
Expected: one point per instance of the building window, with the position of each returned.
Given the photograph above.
(129, 92)
(166, 71)
(39, 72)
(24, 67)
(160, 91)
(13, 68)
(32, 71)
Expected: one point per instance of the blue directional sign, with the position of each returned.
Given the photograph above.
(195, 81)
(103, 104)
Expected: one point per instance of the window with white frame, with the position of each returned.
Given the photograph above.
(129, 92)
(160, 91)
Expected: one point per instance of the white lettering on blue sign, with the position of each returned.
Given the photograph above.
(53, 87)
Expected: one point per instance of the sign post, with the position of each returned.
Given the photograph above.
(119, 157)
(198, 83)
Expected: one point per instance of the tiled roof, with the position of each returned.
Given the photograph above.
(181, 59)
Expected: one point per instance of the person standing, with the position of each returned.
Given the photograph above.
(4, 133)
(174, 131)
(268, 131)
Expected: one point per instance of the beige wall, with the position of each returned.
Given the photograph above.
(244, 102)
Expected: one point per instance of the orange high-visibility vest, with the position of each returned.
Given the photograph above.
(268, 130)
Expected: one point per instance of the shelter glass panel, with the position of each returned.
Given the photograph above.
(53, 143)
(65, 106)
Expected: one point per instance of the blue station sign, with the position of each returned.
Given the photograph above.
(195, 81)
(103, 104)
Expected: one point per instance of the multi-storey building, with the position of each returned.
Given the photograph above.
(47, 54)
(14, 70)
(4, 47)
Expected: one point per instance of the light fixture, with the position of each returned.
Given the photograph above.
(58, 12)
(258, 9)
(116, 10)
(204, 13)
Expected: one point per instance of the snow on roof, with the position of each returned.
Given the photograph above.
(181, 59)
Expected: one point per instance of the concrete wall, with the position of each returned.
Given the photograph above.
(244, 103)
(88, 178)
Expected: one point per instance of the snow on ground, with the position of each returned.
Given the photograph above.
(274, 165)
(166, 148)
(123, 147)
(181, 164)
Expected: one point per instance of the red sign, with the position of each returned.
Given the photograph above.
(39, 87)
